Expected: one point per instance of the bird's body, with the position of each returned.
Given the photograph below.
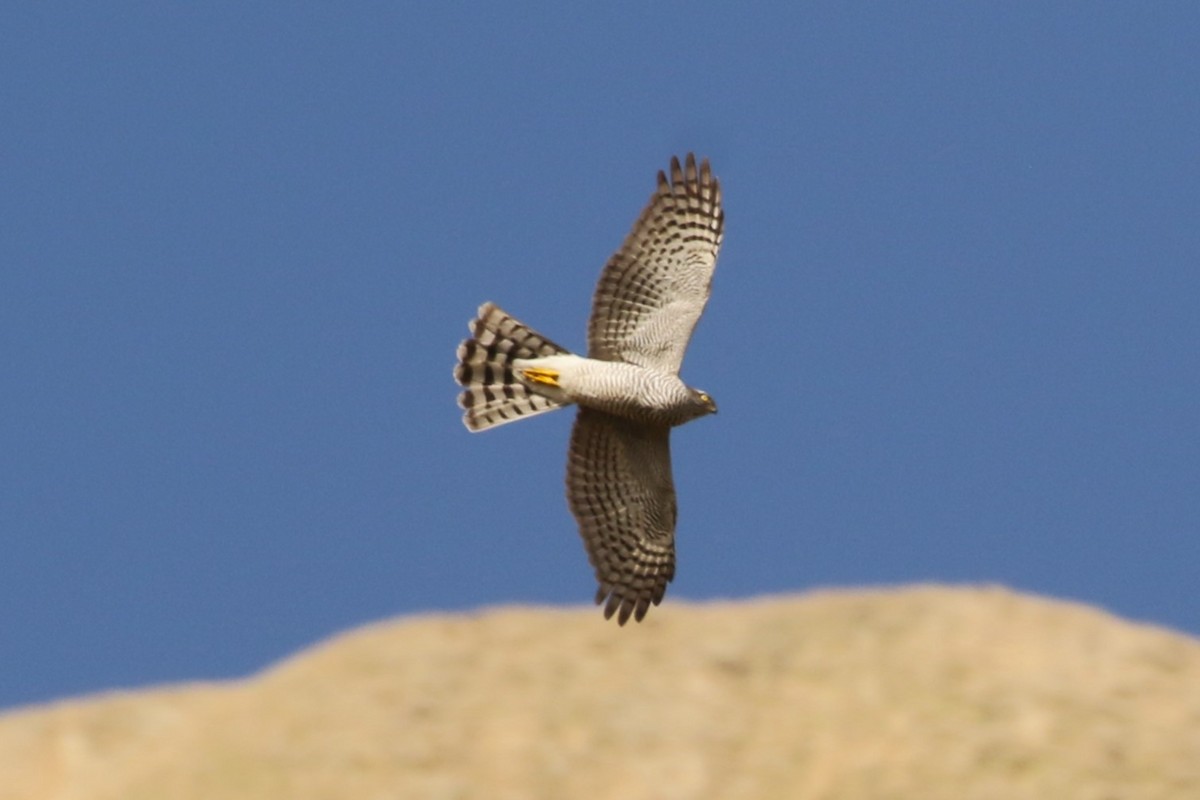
(658, 398)
(628, 389)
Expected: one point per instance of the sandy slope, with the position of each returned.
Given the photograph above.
(922, 692)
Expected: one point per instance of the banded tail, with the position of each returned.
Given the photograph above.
(492, 395)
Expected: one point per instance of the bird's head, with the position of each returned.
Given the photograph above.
(704, 402)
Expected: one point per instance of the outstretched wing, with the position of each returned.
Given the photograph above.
(620, 490)
(653, 289)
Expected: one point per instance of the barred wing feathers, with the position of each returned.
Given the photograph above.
(620, 490)
(654, 288)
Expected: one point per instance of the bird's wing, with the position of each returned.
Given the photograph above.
(653, 289)
(620, 490)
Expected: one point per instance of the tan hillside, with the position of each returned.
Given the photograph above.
(914, 693)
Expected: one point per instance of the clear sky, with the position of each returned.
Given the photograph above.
(953, 334)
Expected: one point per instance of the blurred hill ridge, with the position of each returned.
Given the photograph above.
(916, 692)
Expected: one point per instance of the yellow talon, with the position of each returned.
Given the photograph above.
(540, 375)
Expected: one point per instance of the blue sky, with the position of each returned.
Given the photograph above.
(953, 333)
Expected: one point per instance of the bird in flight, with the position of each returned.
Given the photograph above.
(628, 391)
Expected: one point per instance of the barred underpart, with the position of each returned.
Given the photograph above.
(492, 395)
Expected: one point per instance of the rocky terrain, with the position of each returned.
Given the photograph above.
(922, 692)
